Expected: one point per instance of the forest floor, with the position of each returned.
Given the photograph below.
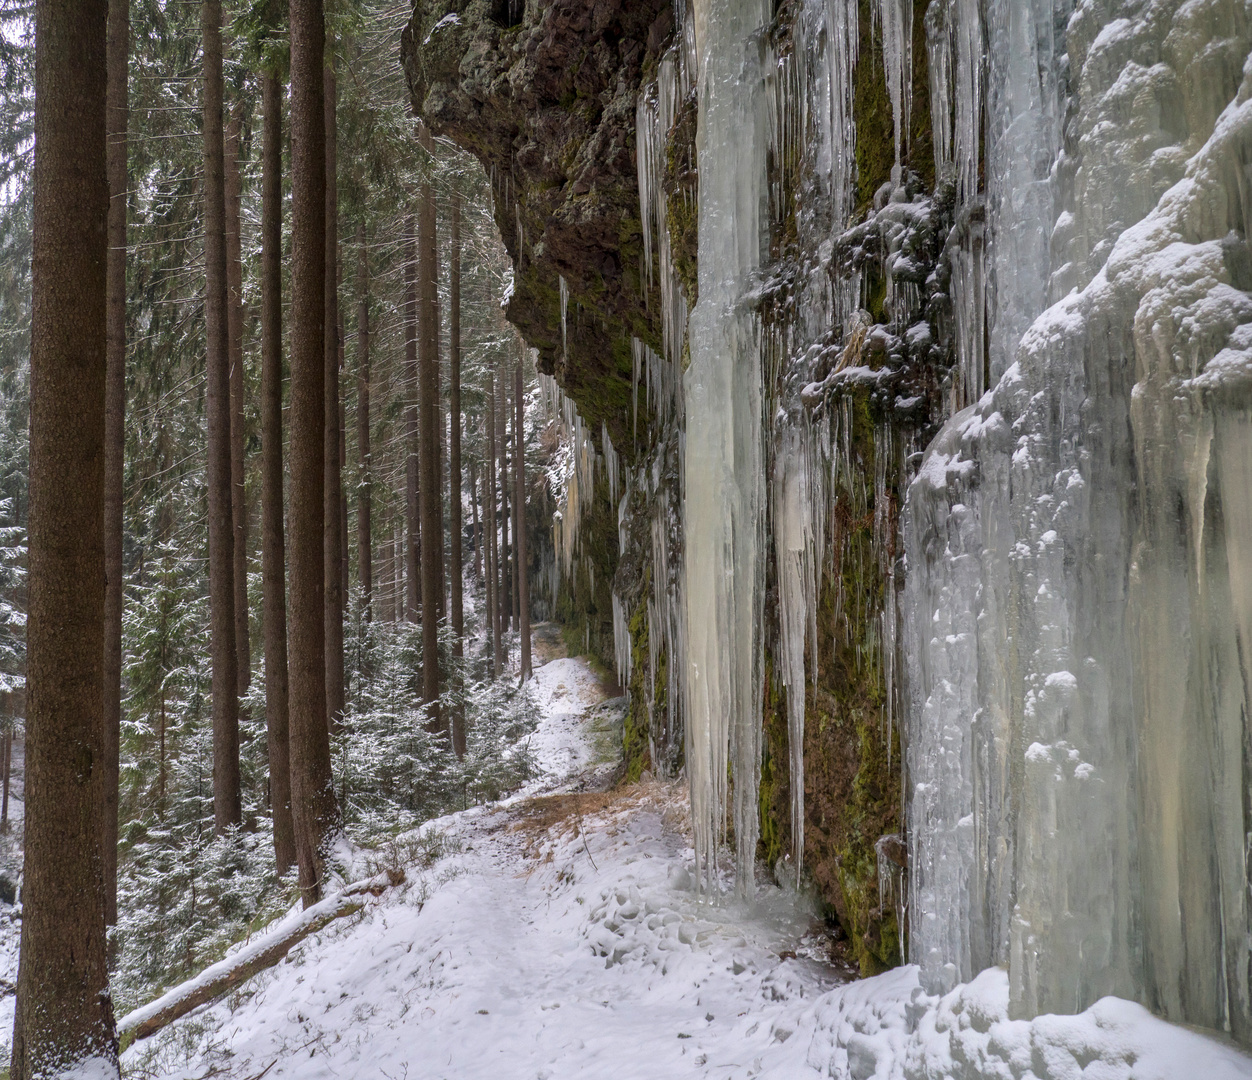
(557, 934)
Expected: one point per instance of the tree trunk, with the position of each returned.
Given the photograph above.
(8, 774)
(118, 113)
(273, 553)
(515, 515)
(493, 545)
(364, 558)
(343, 457)
(454, 455)
(234, 334)
(519, 529)
(413, 546)
(506, 549)
(226, 804)
(441, 473)
(429, 486)
(314, 810)
(64, 1016)
(333, 532)
(475, 531)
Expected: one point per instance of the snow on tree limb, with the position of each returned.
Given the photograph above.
(262, 952)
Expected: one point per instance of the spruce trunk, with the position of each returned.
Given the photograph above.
(412, 521)
(118, 113)
(234, 331)
(475, 530)
(428, 424)
(273, 553)
(454, 456)
(64, 1017)
(519, 529)
(364, 558)
(506, 549)
(226, 801)
(315, 813)
(493, 539)
(333, 531)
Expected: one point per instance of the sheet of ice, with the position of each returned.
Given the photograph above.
(1080, 578)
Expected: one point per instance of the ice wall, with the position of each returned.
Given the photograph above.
(1077, 610)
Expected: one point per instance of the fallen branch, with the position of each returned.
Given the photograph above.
(262, 952)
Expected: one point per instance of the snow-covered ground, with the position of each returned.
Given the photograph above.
(558, 935)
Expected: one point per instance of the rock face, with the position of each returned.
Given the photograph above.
(544, 96)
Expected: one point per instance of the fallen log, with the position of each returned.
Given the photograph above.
(260, 953)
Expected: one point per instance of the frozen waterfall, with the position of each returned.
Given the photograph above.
(724, 467)
(1069, 653)
(1078, 605)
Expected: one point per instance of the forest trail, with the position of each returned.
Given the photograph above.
(557, 934)
(554, 934)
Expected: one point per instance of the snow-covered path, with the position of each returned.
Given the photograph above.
(558, 935)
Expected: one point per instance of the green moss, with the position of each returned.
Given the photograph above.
(636, 746)
(682, 198)
(852, 776)
(875, 126)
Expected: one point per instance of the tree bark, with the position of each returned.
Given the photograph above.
(226, 800)
(8, 774)
(475, 530)
(118, 113)
(273, 552)
(429, 487)
(506, 549)
(519, 528)
(454, 455)
(344, 591)
(333, 531)
(514, 399)
(63, 1014)
(315, 813)
(234, 334)
(493, 547)
(364, 557)
(413, 547)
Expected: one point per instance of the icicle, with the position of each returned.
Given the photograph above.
(894, 19)
(798, 555)
(610, 460)
(564, 305)
(572, 473)
(621, 642)
(724, 467)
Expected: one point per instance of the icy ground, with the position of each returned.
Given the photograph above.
(557, 935)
